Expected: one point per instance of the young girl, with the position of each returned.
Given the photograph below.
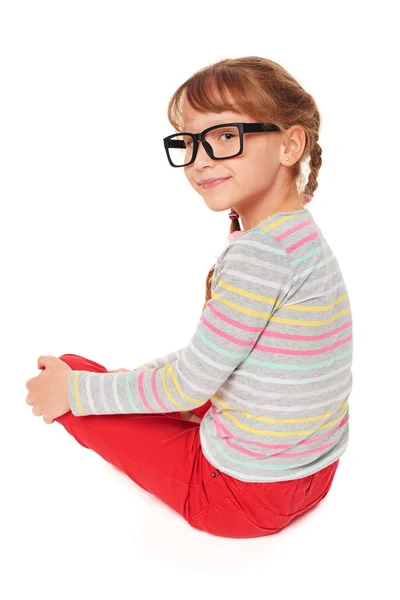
(241, 430)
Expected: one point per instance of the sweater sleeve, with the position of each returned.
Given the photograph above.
(250, 279)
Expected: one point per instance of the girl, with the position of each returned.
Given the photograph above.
(241, 430)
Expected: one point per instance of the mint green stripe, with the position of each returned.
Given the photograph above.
(218, 348)
(300, 471)
(324, 363)
(304, 257)
(128, 391)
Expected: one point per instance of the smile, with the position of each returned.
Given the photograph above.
(213, 184)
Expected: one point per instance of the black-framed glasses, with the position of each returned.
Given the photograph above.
(219, 141)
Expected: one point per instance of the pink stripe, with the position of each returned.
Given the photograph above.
(289, 336)
(303, 241)
(277, 335)
(280, 455)
(231, 321)
(320, 449)
(292, 230)
(154, 389)
(270, 349)
(302, 352)
(224, 335)
(141, 390)
(321, 437)
(220, 427)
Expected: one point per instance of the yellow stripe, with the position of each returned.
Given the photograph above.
(244, 293)
(246, 311)
(270, 420)
(77, 395)
(305, 323)
(283, 433)
(315, 308)
(278, 222)
(267, 315)
(179, 389)
(269, 300)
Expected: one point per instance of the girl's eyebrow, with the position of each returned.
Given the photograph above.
(216, 122)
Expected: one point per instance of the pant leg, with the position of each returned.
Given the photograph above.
(163, 455)
(253, 509)
(201, 410)
(159, 452)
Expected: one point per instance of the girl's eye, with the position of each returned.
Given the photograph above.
(231, 134)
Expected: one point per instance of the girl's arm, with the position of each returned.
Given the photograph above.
(253, 277)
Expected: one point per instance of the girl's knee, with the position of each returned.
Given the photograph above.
(77, 363)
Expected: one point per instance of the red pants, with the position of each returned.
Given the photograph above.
(162, 454)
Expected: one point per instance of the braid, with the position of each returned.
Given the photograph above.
(315, 165)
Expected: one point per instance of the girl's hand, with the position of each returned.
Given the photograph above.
(117, 370)
(48, 391)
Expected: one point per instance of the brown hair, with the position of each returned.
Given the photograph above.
(263, 89)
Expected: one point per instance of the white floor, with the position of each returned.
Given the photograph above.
(74, 527)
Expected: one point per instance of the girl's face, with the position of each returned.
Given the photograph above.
(256, 179)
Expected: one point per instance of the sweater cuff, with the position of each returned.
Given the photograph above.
(74, 397)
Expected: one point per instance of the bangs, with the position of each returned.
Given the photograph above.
(216, 91)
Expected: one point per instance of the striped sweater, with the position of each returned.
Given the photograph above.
(272, 350)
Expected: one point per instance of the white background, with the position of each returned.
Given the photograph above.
(104, 253)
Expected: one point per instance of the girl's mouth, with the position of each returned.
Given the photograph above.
(212, 184)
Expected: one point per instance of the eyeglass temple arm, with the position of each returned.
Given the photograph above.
(258, 127)
(247, 127)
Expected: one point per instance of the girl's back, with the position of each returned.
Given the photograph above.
(283, 413)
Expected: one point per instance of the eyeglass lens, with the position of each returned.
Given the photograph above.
(224, 142)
